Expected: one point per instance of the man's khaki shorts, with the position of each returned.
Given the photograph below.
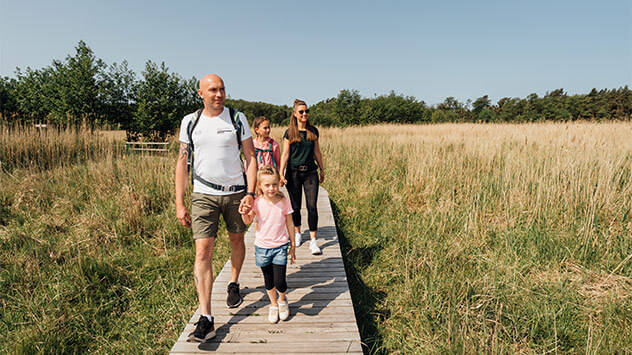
(205, 211)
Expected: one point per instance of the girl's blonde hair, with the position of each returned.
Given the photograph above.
(259, 120)
(268, 170)
(293, 134)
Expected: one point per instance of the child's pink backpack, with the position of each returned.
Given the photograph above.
(260, 155)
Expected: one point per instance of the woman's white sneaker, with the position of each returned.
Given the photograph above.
(297, 239)
(273, 315)
(313, 247)
(284, 310)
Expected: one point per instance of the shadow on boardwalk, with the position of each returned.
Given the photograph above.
(322, 292)
(319, 298)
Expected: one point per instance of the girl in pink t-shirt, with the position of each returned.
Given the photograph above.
(272, 238)
(267, 150)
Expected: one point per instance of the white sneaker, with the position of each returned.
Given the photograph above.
(284, 311)
(313, 247)
(297, 239)
(273, 315)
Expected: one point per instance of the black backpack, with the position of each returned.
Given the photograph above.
(238, 128)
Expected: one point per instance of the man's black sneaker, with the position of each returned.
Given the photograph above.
(234, 297)
(205, 330)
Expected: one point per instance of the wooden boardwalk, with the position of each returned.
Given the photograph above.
(321, 320)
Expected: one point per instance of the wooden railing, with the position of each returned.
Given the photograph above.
(148, 146)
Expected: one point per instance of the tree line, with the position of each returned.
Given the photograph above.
(84, 89)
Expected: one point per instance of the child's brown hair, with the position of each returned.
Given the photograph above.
(258, 121)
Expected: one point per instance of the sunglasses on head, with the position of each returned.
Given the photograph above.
(303, 111)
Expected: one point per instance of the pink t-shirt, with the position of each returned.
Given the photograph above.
(265, 158)
(271, 227)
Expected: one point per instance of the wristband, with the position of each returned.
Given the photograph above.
(251, 194)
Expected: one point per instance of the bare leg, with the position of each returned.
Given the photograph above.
(273, 297)
(312, 234)
(203, 272)
(237, 254)
(282, 296)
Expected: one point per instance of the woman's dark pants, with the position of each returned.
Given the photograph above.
(297, 181)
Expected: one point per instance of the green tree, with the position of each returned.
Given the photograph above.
(439, 116)
(450, 103)
(161, 100)
(554, 105)
(346, 108)
(116, 97)
(479, 106)
(76, 83)
(276, 114)
(454, 111)
(321, 113)
(34, 92)
(8, 104)
(395, 108)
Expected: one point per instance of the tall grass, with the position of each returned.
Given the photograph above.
(487, 238)
(93, 259)
(26, 146)
(457, 238)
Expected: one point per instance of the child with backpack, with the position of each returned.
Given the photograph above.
(267, 150)
(272, 239)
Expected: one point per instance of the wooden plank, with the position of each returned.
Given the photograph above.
(296, 304)
(148, 146)
(322, 319)
(296, 280)
(276, 353)
(148, 150)
(284, 327)
(258, 346)
(303, 275)
(277, 335)
(302, 293)
(147, 143)
(260, 318)
(298, 311)
(314, 280)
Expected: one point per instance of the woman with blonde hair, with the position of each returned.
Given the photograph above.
(302, 157)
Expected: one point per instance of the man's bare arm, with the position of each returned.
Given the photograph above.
(181, 185)
(251, 174)
(251, 163)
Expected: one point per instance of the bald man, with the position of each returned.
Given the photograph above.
(218, 189)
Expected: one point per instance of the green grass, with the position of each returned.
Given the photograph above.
(93, 259)
(476, 247)
(456, 239)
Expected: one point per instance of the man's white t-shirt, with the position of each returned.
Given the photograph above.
(216, 154)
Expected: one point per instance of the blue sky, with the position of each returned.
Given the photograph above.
(275, 51)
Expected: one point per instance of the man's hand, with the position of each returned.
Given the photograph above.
(246, 204)
(322, 176)
(282, 181)
(183, 216)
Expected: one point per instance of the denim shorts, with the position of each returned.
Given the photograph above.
(267, 256)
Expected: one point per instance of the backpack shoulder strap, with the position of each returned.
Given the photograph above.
(191, 127)
(234, 119)
(272, 155)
